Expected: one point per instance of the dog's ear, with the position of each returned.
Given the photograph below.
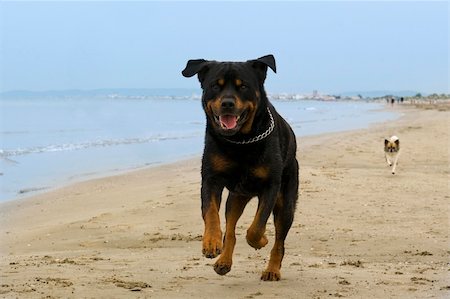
(261, 64)
(397, 143)
(268, 61)
(386, 142)
(196, 66)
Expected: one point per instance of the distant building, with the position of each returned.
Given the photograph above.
(315, 94)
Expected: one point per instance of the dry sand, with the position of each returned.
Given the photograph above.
(359, 231)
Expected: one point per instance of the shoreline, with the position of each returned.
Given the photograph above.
(358, 232)
(373, 116)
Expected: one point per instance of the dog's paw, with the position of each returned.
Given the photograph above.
(271, 275)
(212, 247)
(257, 242)
(222, 267)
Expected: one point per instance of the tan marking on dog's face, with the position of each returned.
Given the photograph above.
(238, 82)
(213, 107)
(251, 110)
(239, 103)
(221, 82)
(261, 172)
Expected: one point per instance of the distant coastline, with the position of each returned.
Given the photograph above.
(191, 93)
(103, 92)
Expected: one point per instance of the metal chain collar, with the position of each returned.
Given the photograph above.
(259, 137)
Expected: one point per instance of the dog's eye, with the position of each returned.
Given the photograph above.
(243, 87)
(215, 87)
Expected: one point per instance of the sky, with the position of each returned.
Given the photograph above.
(330, 46)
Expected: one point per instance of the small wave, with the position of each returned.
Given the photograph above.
(91, 144)
(14, 132)
(202, 123)
(33, 189)
(46, 131)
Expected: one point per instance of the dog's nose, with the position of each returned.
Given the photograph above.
(227, 102)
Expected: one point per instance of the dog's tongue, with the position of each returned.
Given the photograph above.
(228, 121)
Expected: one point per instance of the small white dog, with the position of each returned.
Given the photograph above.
(392, 151)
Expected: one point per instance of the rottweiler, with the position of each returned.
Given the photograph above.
(250, 150)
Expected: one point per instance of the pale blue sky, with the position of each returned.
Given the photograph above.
(329, 46)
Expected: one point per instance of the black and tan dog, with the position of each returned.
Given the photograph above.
(249, 149)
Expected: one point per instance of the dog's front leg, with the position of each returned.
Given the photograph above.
(255, 234)
(387, 159)
(212, 238)
(395, 164)
(235, 207)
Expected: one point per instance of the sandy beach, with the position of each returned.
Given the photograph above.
(359, 231)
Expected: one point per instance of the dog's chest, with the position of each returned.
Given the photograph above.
(391, 154)
(244, 176)
(247, 180)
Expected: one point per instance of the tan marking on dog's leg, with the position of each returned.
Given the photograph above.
(212, 238)
(282, 225)
(272, 272)
(255, 234)
(235, 208)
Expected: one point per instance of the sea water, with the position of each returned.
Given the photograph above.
(48, 142)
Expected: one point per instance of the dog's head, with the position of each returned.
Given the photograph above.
(392, 145)
(233, 92)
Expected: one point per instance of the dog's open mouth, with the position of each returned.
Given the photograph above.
(228, 122)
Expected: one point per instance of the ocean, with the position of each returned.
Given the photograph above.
(50, 142)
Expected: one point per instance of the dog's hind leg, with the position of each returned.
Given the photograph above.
(283, 217)
(234, 209)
